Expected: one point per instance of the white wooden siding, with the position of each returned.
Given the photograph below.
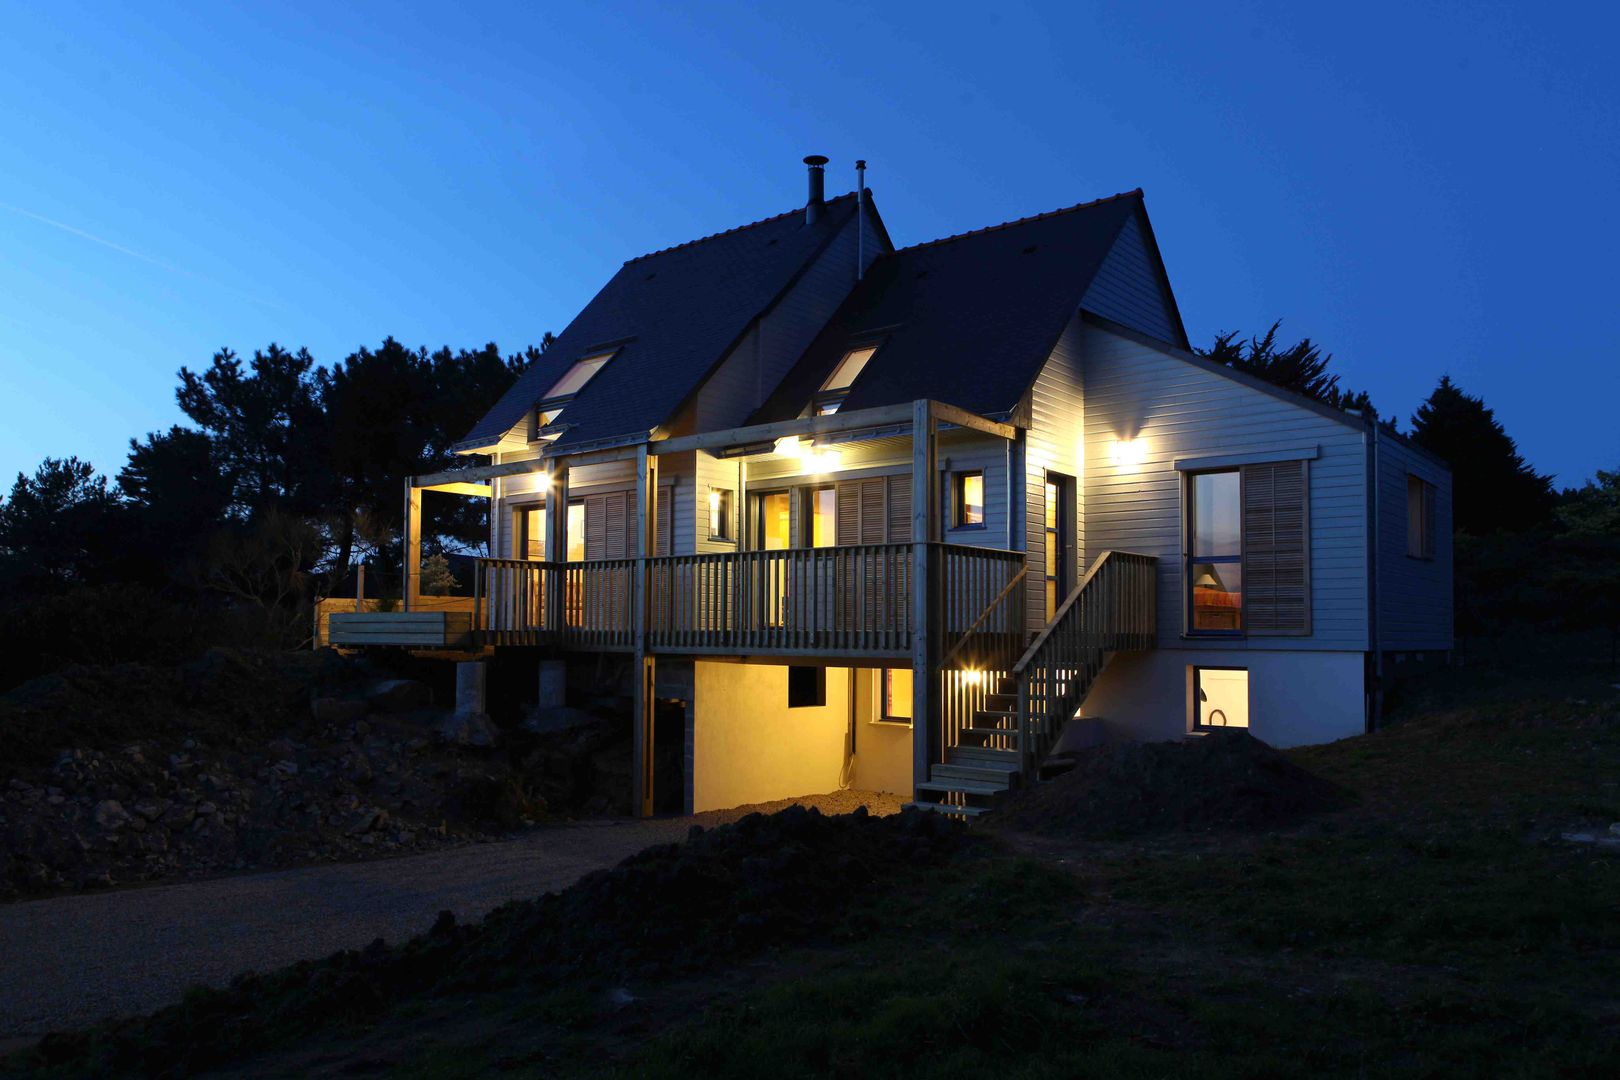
(1127, 289)
(1414, 595)
(1177, 408)
(1056, 443)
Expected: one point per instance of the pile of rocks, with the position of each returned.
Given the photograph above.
(375, 768)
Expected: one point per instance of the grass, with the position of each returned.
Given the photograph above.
(1437, 928)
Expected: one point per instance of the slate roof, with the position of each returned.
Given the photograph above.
(677, 313)
(968, 319)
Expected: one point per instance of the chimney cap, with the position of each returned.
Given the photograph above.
(815, 161)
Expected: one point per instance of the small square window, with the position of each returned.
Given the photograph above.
(807, 687)
(968, 497)
(719, 514)
(895, 706)
(1220, 698)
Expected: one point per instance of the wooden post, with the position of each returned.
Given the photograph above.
(413, 544)
(360, 586)
(556, 548)
(644, 666)
(924, 598)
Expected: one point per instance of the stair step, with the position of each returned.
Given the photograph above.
(968, 754)
(1007, 764)
(1001, 702)
(986, 774)
(963, 787)
(945, 808)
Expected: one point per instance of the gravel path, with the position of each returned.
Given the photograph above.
(70, 961)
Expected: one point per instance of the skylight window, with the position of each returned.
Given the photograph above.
(563, 390)
(836, 388)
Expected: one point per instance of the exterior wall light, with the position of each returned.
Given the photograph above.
(1129, 453)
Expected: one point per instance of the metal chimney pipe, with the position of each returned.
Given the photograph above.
(818, 188)
(860, 218)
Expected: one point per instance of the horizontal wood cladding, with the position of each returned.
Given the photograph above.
(1414, 594)
(1127, 288)
(1174, 409)
(1055, 443)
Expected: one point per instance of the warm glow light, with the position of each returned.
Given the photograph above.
(973, 678)
(788, 446)
(544, 481)
(1129, 452)
(821, 461)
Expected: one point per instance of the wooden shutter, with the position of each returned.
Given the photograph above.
(874, 511)
(899, 509)
(664, 517)
(1276, 549)
(1428, 520)
(596, 527)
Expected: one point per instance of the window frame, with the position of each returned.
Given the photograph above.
(520, 531)
(548, 408)
(829, 399)
(807, 515)
(1195, 723)
(817, 676)
(959, 501)
(881, 714)
(722, 511)
(1191, 557)
(1426, 494)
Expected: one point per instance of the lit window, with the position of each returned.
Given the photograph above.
(1215, 566)
(836, 388)
(1220, 698)
(969, 499)
(572, 382)
(823, 516)
(719, 514)
(896, 703)
(574, 541)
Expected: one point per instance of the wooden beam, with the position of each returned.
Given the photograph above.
(413, 545)
(950, 414)
(481, 473)
(645, 666)
(597, 457)
(804, 425)
(925, 600)
(457, 487)
(556, 547)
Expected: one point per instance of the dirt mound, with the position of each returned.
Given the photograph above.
(1219, 782)
(725, 893)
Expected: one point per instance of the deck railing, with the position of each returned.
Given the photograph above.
(828, 599)
(853, 599)
(1113, 609)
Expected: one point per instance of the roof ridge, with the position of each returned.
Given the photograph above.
(736, 229)
(1134, 192)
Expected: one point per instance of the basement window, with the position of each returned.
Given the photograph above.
(1220, 698)
(807, 687)
(894, 696)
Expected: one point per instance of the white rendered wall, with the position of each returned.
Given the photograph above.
(1296, 698)
(882, 751)
(749, 747)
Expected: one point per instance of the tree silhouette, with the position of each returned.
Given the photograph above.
(1302, 367)
(1493, 488)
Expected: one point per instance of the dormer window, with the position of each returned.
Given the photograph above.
(836, 388)
(564, 389)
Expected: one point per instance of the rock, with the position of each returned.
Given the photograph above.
(557, 718)
(335, 710)
(466, 729)
(110, 814)
(368, 820)
(397, 695)
(206, 808)
(151, 809)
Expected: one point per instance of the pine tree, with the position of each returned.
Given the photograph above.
(1493, 488)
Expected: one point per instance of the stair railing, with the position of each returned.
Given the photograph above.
(1113, 609)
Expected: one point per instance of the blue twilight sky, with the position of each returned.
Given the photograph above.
(1421, 188)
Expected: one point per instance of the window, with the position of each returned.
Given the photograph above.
(720, 514)
(529, 532)
(967, 493)
(1220, 698)
(821, 512)
(1419, 518)
(563, 390)
(1059, 539)
(1215, 552)
(807, 687)
(895, 706)
(836, 388)
(773, 521)
(575, 526)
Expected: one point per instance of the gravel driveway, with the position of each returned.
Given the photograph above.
(70, 961)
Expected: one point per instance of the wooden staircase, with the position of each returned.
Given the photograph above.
(1111, 610)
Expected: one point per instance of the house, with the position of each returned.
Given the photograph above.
(892, 517)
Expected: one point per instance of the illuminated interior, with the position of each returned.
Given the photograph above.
(1221, 696)
(1215, 569)
(897, 694)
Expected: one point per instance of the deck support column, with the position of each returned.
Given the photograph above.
(645, 667)
(411, 594)
(556, 548)
(925, 606)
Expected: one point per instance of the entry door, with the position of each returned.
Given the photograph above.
(1061, 551)
(773, 531)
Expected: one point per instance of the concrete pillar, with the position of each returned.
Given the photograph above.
(471, 699)
(553, 684)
